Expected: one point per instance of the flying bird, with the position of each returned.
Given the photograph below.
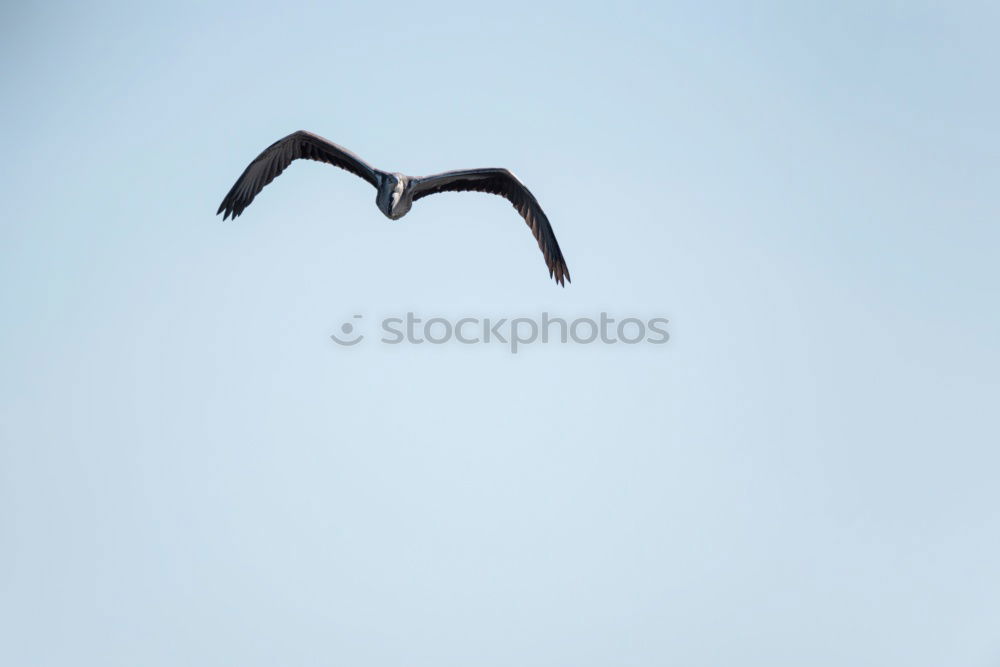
(396, 192)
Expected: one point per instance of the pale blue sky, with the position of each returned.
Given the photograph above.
(806, 474)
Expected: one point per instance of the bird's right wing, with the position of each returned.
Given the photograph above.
(502, 182)
(276, 157)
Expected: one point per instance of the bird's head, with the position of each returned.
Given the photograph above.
(390, 199)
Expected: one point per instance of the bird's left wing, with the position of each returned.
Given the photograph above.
(502, 182)
(275, 158)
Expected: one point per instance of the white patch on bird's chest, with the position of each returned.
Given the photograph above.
(397, 192)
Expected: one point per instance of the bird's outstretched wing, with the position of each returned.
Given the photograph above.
(276, 157)
(502, 182)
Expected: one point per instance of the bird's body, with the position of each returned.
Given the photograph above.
(395, 192)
